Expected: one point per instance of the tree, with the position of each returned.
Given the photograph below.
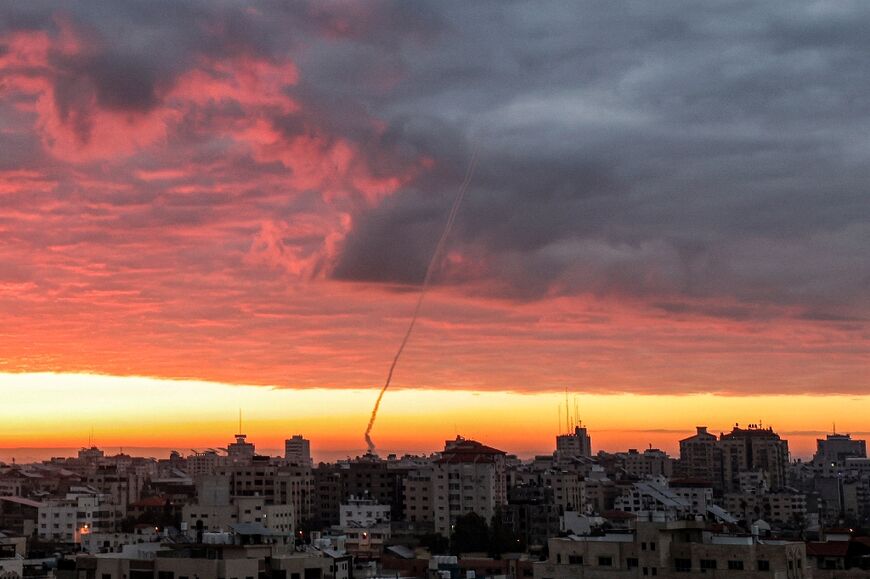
(502, 538)
(436, 544)
(470, 534)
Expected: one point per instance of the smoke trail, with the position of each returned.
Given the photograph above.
(454, 209)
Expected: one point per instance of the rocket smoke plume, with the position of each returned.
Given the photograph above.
(454, 209)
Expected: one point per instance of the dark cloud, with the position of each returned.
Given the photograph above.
(647, 149)
(703, 152)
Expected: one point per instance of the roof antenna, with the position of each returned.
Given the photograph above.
(577, 421)
(567, 413)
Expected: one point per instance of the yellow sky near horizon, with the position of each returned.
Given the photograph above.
(52, 410)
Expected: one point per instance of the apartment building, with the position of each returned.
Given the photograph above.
(675, 549)
(418, 496)
(82, 511)
(650, 463)
(469, 477)
(297, 450)
(701, 457)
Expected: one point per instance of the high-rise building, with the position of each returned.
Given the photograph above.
(700, 457)
(241, 451)
(753, 449)
(833, 450)
(297, 450)
(469, 477)
(417, 494)
(574, 444)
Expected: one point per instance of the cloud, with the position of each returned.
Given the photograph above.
(668, 198)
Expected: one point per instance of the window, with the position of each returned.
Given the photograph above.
(631, 563)
(645, 571)
(575, 560)
(605, 561)
(652, 546)
(643, 546)
(654, 571)
(763, 565)
(735, 565)
(708, 564)
(683, 565)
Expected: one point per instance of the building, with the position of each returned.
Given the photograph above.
(12, 556)
(568, 489)
(240, 452)
(673, 549)
(368, 475)
(753, 449)
(363, 512)
(246, 551)
(574, 444)
(700, 457)
(469, 477)
(217, 510)
(297, 450)
(650, 463)
(833, 452)
(19, 515)
(653, 496)
(531, 515)
(327, 495)
(417, 495)
(785, 508)
(204, 463)
(599, 494)
(275, 482)
(82, 511)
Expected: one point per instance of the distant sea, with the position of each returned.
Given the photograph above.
(31, 454)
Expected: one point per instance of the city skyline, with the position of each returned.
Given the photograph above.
(434, 289)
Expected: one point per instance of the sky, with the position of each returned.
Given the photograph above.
(668, 217)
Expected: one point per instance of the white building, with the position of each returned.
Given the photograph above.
(204, 463)
(363, 512)
(82, 511)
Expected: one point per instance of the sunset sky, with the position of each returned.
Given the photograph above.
(207, 206)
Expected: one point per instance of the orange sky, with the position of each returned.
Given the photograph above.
(231, 197)
(59, 410)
